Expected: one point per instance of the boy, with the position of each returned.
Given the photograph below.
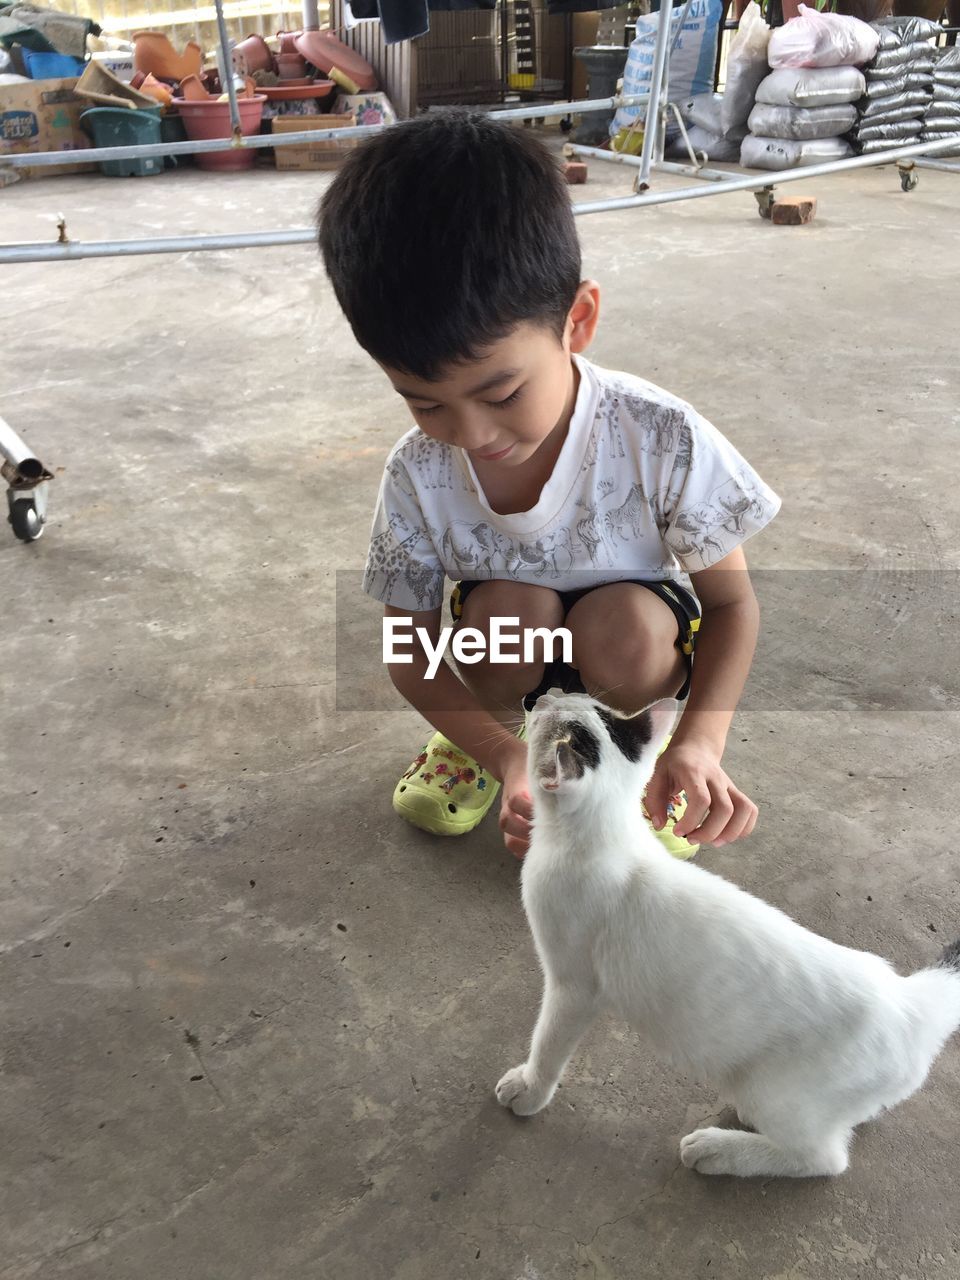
(551, 491)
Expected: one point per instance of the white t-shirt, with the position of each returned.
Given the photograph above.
(644, 487)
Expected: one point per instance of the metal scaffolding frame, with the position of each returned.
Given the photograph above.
(28, 478)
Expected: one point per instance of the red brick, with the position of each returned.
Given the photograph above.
(791, 211)
(575, 171)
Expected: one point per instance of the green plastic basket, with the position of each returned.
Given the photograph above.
(122, 127)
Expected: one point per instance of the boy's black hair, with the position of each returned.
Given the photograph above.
(441, 234)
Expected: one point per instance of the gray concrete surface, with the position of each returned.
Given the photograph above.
(251, 1022)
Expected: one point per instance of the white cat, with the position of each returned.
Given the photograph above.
(804, 1037)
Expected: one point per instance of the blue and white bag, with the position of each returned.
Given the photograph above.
(693, 57)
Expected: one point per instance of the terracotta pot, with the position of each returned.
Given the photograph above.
(211, 119)
(288, 41)
(153, 87)
(152, 51)
(290, 66)
(193, 90)
(290, 92)
(326, 53)
(252, 54)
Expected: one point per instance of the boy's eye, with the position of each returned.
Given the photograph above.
(430, 408)
(512, 398)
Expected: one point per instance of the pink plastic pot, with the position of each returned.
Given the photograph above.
(212, 120)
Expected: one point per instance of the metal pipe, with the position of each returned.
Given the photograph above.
(569, 108)
(51, 159)
(226, 76)
(598, 153)
(943, 165)
(774, 178)
(688, 171)
(19, 455)
(617, 157)
(652, 126)
(74, 249)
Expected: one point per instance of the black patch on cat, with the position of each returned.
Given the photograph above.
(583, 743)
(630, 736)
(950, 958)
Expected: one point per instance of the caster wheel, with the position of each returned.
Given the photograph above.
(566, 124)
(908, 180)
(27, 523)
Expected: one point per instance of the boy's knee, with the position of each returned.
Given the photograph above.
(532, 606)
(627, 643)
(535, 608)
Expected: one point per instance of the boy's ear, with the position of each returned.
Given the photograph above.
(584, 316)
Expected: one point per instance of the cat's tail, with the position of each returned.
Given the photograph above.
(950, 957)
(934, 999)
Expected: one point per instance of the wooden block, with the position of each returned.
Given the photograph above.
(793, 211)
(575, 171)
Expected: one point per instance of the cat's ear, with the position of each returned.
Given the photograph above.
(566, 766)
(663, 716)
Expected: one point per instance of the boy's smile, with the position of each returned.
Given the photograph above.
(503, 407)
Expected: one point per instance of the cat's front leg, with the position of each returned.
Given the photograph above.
(565, 1014)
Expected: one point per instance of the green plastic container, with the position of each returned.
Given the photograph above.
(121, 127)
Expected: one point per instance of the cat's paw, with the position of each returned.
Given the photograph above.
(515, 1091)
(707, 1151)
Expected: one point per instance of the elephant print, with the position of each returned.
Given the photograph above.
(472, 548)
(554, 552)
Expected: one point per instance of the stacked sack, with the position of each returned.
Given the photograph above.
(899, 85)
(718, 122)
(942, 118)
(805, 107)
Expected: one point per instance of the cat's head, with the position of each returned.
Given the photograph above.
(576, 743)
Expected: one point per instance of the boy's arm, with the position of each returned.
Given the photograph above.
(725, 645)
(450, 706)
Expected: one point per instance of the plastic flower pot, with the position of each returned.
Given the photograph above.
(123, 127)
(211, 119)
(152, 51)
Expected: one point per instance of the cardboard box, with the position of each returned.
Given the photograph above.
(312, 155)
(43, 115)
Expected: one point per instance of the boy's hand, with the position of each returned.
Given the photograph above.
(516, 808)
(717, 812)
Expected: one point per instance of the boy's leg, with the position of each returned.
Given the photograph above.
(625, 646)
(625, 643)
(501, 686)
(444, 791)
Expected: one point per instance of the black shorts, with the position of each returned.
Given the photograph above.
(559, 675)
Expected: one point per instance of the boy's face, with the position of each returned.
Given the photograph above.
(501, 408)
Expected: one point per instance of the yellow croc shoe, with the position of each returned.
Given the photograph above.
(676, 845)
(444, 791)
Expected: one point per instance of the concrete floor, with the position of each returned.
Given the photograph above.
(252, 1022)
